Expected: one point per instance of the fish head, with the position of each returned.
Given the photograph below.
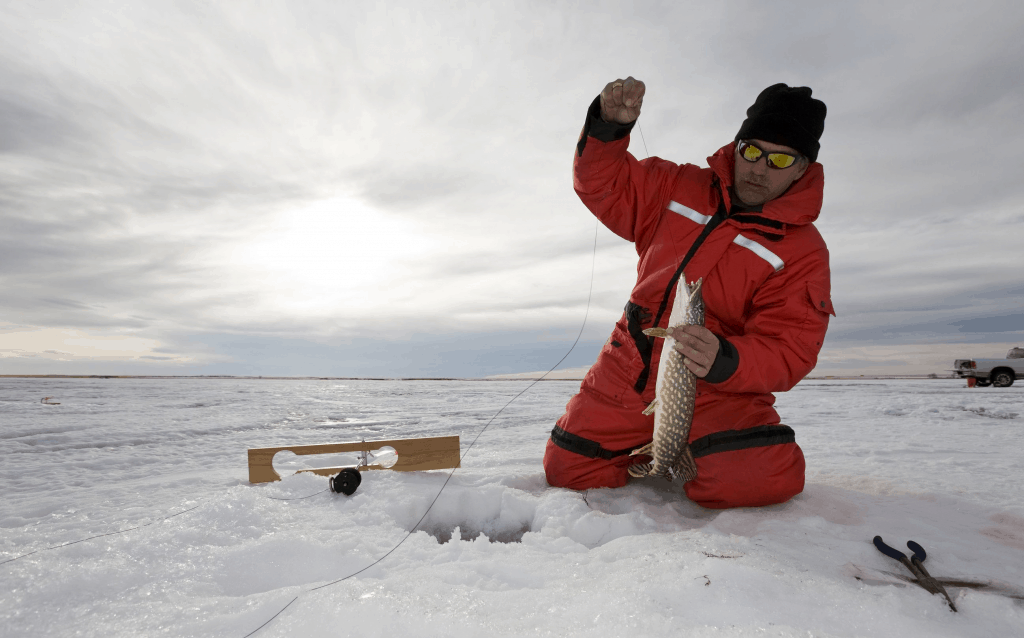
(694, 289)
(695, 302)
(688, 307)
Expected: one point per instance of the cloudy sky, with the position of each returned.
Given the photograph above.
(353, 189)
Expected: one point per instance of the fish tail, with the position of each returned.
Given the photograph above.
(686, 466)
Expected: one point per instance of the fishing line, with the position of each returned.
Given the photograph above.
(44, 549)
(642, 138)
(590, 294)
(131, 529)
(415, 527)
(295, 498)
(11, 560)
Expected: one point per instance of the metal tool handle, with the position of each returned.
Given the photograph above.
(889, 551)
(919, 552)
(916, 567)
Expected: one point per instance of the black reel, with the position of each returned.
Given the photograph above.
(346, 481)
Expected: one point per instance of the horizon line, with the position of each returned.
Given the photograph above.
(524, 377)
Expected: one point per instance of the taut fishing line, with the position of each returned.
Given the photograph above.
(590, 294)
(296, 498)
(642, 138)
(131, 529)
(82, 540)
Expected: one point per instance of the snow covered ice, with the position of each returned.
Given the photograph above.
(500, 553)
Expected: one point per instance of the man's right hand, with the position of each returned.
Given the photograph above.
(621, 100)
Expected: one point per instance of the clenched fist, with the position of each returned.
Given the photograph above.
(621, 100)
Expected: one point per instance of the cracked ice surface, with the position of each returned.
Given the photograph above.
(500, 553)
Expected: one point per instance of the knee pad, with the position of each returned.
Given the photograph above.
(750, 477)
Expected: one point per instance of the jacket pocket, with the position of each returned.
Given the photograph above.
(617, 366)
(820, 298)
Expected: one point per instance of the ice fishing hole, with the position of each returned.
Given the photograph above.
(444, 532)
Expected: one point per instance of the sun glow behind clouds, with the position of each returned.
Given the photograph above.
(336, 257)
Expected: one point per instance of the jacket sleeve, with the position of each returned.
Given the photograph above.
(625, 194)
(784, 330)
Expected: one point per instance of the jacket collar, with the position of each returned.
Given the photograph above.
(798, 206)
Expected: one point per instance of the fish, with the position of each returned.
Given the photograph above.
(674, 395)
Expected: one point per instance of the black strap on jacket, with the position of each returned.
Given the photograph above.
(729, 440)
(645, 344)
(585, 447)
(636, 317)
(726, 441)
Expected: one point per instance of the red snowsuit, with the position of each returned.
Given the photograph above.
(767, 295)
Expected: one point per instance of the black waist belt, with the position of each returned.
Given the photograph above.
(585, 447)
(727, 441)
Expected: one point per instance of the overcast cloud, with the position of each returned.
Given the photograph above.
(330, 188)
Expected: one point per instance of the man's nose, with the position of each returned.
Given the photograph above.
(761, 168)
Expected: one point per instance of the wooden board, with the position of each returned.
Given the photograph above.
(429, 453)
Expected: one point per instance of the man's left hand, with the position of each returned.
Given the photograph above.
(699, 347)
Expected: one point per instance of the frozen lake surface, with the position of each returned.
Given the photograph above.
(501, 553)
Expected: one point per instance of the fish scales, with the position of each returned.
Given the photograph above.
(674, 395)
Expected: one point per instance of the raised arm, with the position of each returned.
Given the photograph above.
(625, 194)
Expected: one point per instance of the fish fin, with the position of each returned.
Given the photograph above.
(647, 449)
(640, 470)
(656, 332)
(649, 410)
(686, 467)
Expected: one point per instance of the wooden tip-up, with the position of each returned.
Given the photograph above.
(429, 453)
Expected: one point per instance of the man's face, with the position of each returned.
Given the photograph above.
(755, 183)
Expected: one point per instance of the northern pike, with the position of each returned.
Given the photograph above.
(674, 394)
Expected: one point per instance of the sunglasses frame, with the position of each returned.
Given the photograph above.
(742, 144)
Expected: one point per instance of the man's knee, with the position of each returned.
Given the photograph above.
(612, 425)
(751, 477)
(575, 471)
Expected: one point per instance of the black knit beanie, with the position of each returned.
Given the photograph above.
(786, 115)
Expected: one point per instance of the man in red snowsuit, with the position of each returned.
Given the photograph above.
(744, 225)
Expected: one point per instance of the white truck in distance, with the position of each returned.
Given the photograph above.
(1000, 373)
